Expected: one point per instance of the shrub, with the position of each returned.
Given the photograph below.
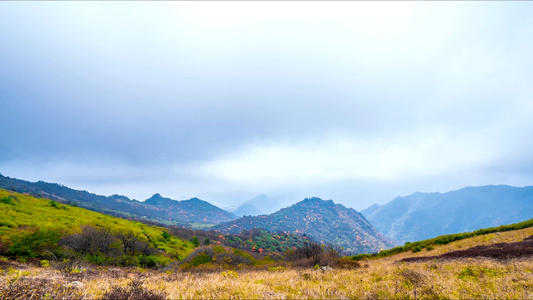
(45, 263)
(134, 291)
(154, 262)
(231, 260)
(129, 260)
(276, 269)
(230, 274)
(195, 241)
(346, 263)
(7, 223)
(7, 200)
(200, 259)
(243, 254)
(68, 265)
(34, 243)
(218, 249)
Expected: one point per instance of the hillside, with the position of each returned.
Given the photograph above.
(426, 215)
(193, 210)
(322, 221)
(42, 228)
(260, 205)
(426, 274)
(182, 213)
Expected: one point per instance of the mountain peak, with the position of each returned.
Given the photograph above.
(316, 201)
(318, 218)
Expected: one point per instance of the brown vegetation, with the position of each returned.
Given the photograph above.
(500, 251)
(378, 279)
(386, 278)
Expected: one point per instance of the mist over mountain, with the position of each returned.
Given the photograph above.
(426, 215)
(321, 220)
(259, 205)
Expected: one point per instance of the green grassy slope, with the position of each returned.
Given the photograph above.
(41, 223)
(429, 244)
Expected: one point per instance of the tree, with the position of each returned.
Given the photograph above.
(165, 235)
(195, 241)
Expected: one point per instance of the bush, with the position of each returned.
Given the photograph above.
(34, 243)
(7, 223)
(45, 263)
(346, 263)
(153, 262)
(200, 259)
(218, 249)
(276, 269)
(243, 254)
(129, 260)
(134, 291)
(230, 260)
(416, 249)
(8, 200)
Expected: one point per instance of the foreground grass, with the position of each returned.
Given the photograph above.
(384, 278)
(465, 279)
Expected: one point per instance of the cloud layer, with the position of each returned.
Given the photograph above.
(355, 101)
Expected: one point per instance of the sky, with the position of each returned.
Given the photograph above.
(359, 102)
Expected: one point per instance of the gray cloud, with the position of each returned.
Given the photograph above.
(353, 101)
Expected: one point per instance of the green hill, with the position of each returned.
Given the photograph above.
(322, 221)
(156, 209)
(42, 228)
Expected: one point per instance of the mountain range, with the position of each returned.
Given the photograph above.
(156, 209)
(415, 217)
(260, 205)
(426, 215)
(322, 221)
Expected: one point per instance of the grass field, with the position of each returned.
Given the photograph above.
(383, 278)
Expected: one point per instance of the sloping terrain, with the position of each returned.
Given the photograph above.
(322, 221)
(426, 215)
(500, 251)
(158, 209)
(39, 228)
(192, 210)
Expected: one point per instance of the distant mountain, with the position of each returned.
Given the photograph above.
(322, 221)
(260, 205)
(426, 215)
(157, 208)
(192, 210)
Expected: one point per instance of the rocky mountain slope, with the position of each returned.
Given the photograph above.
(322, 221)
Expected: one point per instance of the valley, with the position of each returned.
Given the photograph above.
(314, 249)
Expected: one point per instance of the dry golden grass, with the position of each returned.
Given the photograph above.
(377, 279)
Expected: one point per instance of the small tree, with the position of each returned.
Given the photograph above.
(195, 241)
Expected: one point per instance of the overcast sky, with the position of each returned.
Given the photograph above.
(359, 102)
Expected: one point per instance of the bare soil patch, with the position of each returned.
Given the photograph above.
(500, 251)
